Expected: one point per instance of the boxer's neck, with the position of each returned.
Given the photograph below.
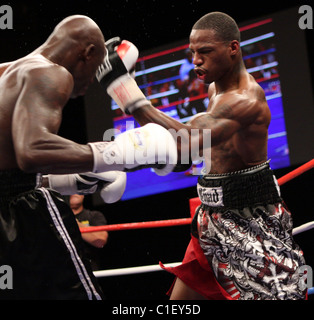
(63, 53)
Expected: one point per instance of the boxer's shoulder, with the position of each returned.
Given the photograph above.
(37, 65)
(37, 70)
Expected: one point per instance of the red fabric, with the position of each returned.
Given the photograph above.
(196, 273)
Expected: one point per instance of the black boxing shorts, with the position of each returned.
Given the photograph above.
(41, 244)
(242, 246)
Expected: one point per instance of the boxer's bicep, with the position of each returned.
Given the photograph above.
(37, 117)
(222, 124)
(228, 117)
(41, 102)
(36, 112)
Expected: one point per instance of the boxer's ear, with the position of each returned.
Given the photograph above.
(89, 52)
(234, 47)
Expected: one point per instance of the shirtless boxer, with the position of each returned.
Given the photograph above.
(241, 246)
(39, 237)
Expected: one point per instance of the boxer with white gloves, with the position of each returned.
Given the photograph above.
(38, 230)
(33, 92)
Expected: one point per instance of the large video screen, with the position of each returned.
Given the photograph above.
(167, 79)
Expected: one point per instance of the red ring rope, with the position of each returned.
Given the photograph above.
(177, 222)
(295, 173)
(138, 225)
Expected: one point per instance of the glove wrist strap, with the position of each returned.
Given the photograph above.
(65, 184)
(106, 157)
(126, 93)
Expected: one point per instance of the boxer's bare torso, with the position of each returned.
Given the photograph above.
(239, 120)
(33, 92)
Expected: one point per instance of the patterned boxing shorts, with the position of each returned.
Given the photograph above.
(242, 242)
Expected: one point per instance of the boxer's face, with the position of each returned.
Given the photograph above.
(212, 58)
(84, 73)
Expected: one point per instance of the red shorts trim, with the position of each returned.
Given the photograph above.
(196, 273)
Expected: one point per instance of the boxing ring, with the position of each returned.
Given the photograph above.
(194, 203)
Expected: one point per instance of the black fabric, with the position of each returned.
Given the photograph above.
(15, 181)
(241, 190)
(33, 246)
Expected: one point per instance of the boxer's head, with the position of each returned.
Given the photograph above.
(215, 44)
(77, 43)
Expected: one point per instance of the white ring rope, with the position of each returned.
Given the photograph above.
(132, 270)
(303, 227)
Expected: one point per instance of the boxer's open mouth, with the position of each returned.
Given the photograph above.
(200, 72)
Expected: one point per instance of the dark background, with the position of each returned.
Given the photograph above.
(148, 24)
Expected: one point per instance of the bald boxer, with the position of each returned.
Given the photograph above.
(242, 247)
(39, 237)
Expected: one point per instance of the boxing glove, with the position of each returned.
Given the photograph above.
(116, 75)
(111, 184)
(149, 146)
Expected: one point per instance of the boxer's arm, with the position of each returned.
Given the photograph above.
(36, 120)
(230, 114)
(38, 148)
(124, 90)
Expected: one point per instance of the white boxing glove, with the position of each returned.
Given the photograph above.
(116, 75)
(110, 184)
(149, 146)
(113, 190)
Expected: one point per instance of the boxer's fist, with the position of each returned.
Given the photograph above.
(149, 146)
(111, 184)
(117, 72)
(120, 60)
